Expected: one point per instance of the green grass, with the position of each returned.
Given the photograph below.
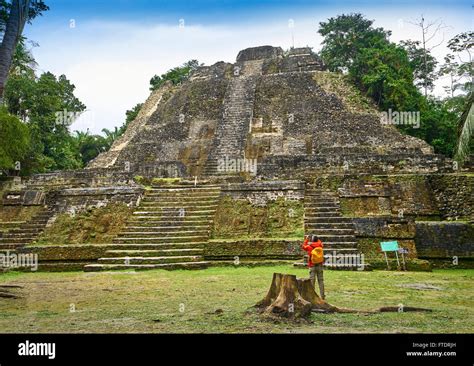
(215, 300)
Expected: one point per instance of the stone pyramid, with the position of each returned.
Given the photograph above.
(282, 110)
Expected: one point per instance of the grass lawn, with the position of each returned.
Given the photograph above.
(215, 300)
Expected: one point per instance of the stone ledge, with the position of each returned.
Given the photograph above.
(69, 252)
(113, 190)
(253, 248)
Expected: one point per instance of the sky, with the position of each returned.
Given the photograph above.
(110, 49)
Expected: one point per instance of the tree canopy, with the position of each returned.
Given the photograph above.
(175, 75)
(393, 74)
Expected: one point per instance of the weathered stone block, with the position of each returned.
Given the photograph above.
(444, 239)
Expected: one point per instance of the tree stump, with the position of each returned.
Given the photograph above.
(294, 298)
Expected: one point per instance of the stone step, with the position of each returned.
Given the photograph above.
(158, 240)
(154, 246)
(326, 203)
(11, 224)
(339, 244)
(327, 219)
(153, 197)
(331, 231)
(32, 226)
(157, 207)
(45, 215)
(168, 266)
(330, 209)
(325, 214)
(12, 240)
(340, 250)
(150, 260)
(21, 235)
(25, 230)
(320, 197)
(38, 222)
(177, 214)
(163, 221)
(11, 246)
(325, 238)
(150, 201)
(194, 190)
(331, 225)
(154, 252)
(167, 229)
(152, 234)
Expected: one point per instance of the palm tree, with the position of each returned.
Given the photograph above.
(111, 136)
(465, 132)
(16, 22)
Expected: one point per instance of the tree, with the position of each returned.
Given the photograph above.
(388, 73)
(459, 65)
(20, 12)
(111, 136)
(385, 74)
(130, 115)
(422, 63)
(48, 105)
(465, 140)
(429, 30)
(89, 146)
(15, 138)
(345, 36)
(175, 75)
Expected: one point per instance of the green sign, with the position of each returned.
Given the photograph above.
(389, 246)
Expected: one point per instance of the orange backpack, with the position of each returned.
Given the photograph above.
(317, 255)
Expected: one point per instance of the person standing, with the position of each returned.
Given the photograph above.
(314, 247)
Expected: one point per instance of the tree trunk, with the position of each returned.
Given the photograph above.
(294, 298)
(13, 29)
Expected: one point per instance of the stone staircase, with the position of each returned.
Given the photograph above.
(230, 137)
(168, 230)
(27, 232)
(323, 218)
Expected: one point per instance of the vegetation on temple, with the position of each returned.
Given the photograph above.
(393, 74)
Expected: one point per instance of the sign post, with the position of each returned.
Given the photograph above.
(390, 246)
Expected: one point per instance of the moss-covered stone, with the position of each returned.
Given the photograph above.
(365, 206)
(384, 227)
(238, 218)
(95, 225)
(253, 249)
(445, 239)
(69, 252)
(18, 213)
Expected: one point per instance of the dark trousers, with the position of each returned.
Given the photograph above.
(317, 271)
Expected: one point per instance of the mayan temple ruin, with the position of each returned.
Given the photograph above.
(239, 162)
